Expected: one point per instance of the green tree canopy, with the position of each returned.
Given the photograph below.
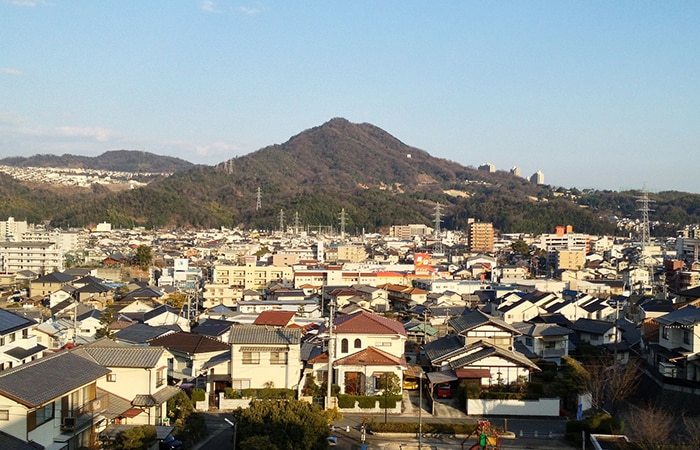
(289, 424)
(143, 257)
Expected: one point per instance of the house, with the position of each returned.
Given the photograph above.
(190, 351)
(53, 401)
(675, 353)
(137, 374)
(595, 332)
(544, 340)
(265, 357)
(480, 348)
(141, 333)
(18, 344)
(215, 329)
(45, 285)
(365, 348)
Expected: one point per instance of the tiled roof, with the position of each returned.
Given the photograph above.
(366, 322)
(591, 326)
(370, 356)
(217, 359)
(123, 355)
(274, 318)
(9, 322)
(443, 346)
(22, 353)
(141, 333)
(38, 382)
(252, 334)
(158, 398)
(8, 442)
(116, 405)
(690, 315)
(213, 327)
(55, 277)
(189, 343)
(477, 318)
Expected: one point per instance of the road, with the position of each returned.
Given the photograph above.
(349, 436)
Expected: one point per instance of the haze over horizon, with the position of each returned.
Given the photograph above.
(601, 95)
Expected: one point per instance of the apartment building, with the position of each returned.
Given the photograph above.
(480, 236)
(39, 257)
(251, 275)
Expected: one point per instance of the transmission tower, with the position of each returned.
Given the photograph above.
(258, 204)
(342, 223)
(438, 233)
(282, 220)
(644, 201)
(297, 223)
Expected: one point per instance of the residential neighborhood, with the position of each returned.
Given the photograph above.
(106, 338)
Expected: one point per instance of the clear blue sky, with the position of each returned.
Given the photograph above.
(601, 94)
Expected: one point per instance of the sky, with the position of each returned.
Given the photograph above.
(595, 94)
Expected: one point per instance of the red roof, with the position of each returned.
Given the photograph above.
(274, 318)
(368, 323)
(472, 373)
(370, 356)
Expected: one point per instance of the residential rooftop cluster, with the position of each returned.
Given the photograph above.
(75, 176)
(101, 327)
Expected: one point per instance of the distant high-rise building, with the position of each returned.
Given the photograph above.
(537, 178)
(515, 171)
(480, 236)
(487, 167)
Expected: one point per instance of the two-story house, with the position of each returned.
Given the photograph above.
(265, 357)
(18, 344)
(480, 348)
(190, 352)
(365, 347)
(544, 340)
(675, 354)
(136, 373)
(53, 401)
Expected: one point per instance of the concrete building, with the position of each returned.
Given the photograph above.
(39, 257)
(480, 236)
(537, 178)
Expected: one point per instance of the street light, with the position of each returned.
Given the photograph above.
(234, 425)
(420, 411)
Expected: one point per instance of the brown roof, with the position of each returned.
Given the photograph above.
(366, 322)
(274, 318)
(370, 356)
(189, 343)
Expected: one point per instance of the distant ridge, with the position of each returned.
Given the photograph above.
(376, 179)
(114, 160)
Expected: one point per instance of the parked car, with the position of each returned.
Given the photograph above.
(444, 390)
(170, 443)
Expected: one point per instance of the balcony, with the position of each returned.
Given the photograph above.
(74, 419)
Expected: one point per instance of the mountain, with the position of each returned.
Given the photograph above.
(115, 160)
(375, 178)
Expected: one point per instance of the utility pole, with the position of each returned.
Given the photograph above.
(329, 382)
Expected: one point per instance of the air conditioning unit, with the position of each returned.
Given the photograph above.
(68, 423)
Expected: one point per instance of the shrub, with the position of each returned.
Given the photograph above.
(198, 395)
(231, 393)
(136, 438)
(346, 401)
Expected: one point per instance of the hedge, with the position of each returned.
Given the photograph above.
(368, 402)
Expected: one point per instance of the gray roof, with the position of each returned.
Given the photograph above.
(216, 360)
(158, 398)
(253, 334)
(687, 316)
(489, 350)
(8, 442)
(10, 322)
(477, 318)
(592, 326)
(443, 346)
(22, 353)
(122, 355)
(46, 379)
(116, 405)
(141, 333)
(213, 327)
(541, 329)
(55, 277)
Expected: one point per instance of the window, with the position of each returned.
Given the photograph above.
(2, 341)
(251, 357)
(240, 384)
(358, 343)
(25, 333)
(278, 357)
(160, 378)
(664, 332)
(11, 337)
(4, 414)
(111, 377)
(528, 341)
(344, 346)
(40, 416)
(686, 337)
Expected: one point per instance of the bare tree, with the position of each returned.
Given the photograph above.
(691, 433)
(612, 382)
(650, 427)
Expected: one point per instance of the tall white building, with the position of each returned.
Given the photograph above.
(537, 178)
(39, 257)
(12, 230)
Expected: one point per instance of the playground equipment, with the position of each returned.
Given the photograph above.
(487, 437)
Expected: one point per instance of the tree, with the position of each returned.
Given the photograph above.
(107, 318)
(390, 384)
(650, 427)
(136, 438)
(143, 257)
(520, 247)
(289, 424)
